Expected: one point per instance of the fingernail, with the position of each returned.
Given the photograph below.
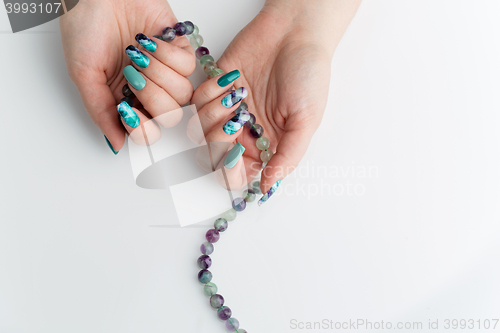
(137, 56)
(226, 79)
(234, 155)
(234, 97)
(128, 114)
(134, 77)
(271, 191)
(146, 42)
(237, 122)
(111, 147)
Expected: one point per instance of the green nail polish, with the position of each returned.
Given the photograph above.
(134, 77)
(234, 156)
(111, 147)
(226, 79)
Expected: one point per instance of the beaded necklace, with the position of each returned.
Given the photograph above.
(239, 204)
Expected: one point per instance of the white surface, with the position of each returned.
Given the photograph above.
(413, 100)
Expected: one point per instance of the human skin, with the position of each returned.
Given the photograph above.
(284, 55)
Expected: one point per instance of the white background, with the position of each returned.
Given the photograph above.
(414, 98)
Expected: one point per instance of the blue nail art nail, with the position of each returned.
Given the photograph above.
(146, 42)
(137, 56)
(271, 191)
(128, 114)
(234, 97)
(237, 122)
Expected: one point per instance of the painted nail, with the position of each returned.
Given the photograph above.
(226, 79)
(111, 147)
(271, 191)
(234, 97)
(234, 155)
(128, 114)
(234, 124)
(137, 56)
(134, 77)
(146, 42)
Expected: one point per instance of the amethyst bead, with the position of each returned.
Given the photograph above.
(212, 235)
(189, 27)
(251, 122)
(205, 276)
(216, 301)
(207, 248)
(180, 29)
(224, 313)
(201, 51)
(239, 204)
(232, 324)
(204, 261)
(257, 131)
(168, 34)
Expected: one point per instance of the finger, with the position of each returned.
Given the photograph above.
(181, 60)
(142, 130)
(213, 88)
(176, 85)
(160, 105)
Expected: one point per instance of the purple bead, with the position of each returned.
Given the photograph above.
(205, 276)
(251, 122)
(204, 261)
(207, 248)
(212, 235)
(224, 313)
(168, 34)
(201, 51)
(189, 27)
(216, 301)
(180, 29)
(257, 131)
(239, 204)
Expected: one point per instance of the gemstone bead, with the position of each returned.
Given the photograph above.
(242, 106)
(204, 261)
(212, 235)
(256, 187)
(207, 248)
(232, 324)
(224, 313)
(201, 51)
(239, 204)
(249, 195)
(209, 67)
(180, 29)
(220, 224)
(206, 58)
(168, 34)
(205, 276)
(199, 40)
(216, 301)
(216, 72)
(194, 43)
(251, 121)
(262, 143)
(229, 215)
(241, 331)
(126, 91)
(189, 27)
(158, 36)
(210, 289)
(196, 31)
(257, 131)
(266, 155)
(128, 100)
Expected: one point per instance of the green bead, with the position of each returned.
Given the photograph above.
(209, 67)
(206, 58)
(210, 289)
(241, 331)
(266, 155)
(229, 215)
(216, 72)
(194, 43)
(256, 187)
(196, 31)
(262, 143)
(220, 225)
(248, 196)
(199, 40)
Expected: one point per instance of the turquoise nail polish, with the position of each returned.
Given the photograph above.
(236, 123)
(137, 56)
(271, 191)
(226, 79)
(111, 147)
(128, 114)
(234, 155)
(234, 97)
(134, 77)
(146, 42)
